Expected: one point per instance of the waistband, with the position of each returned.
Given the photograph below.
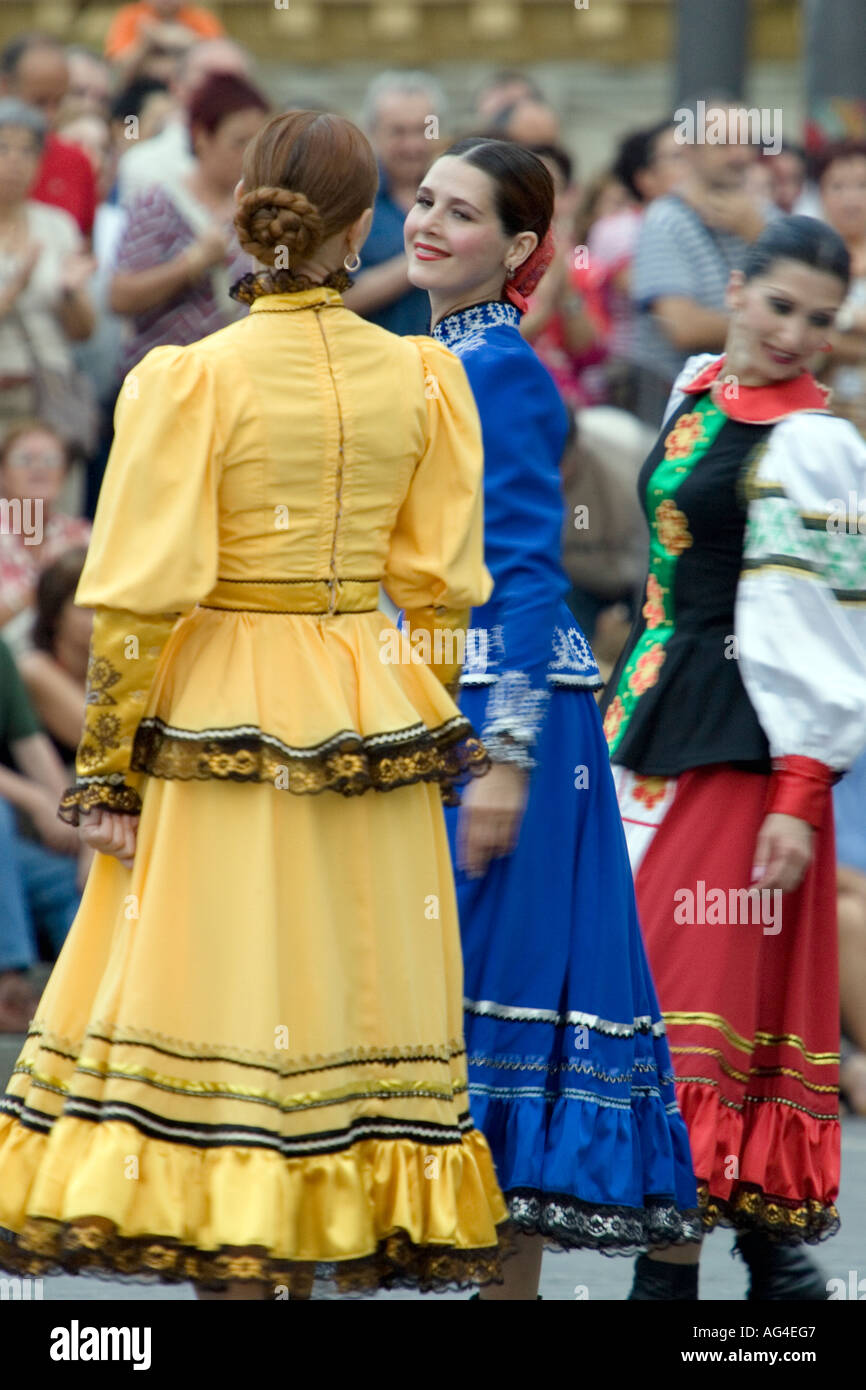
(294, 595)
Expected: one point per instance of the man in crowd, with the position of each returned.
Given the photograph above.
(34, 68)
(688, 243)
(166, 157)
(401, 114)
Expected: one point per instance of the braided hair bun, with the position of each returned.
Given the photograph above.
(269, 218)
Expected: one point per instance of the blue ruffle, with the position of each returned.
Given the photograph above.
(578, 1105)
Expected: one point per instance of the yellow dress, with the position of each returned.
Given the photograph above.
(249, 1060)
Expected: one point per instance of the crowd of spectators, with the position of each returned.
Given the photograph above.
(117, 178)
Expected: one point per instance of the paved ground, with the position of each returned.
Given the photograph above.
(580, 1275)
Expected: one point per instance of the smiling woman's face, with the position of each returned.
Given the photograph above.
(453, 236)
(781, 318)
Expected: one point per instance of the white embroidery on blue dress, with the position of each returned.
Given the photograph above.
(466, 326)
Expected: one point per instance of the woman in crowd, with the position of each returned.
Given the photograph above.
(569, 1072)
(55, 670)
(275, 1033)
(44, 306)
(179, 256)
(34, 464)
(738, 700)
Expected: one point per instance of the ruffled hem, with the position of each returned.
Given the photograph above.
(96, 1248)
(788, 1147)
(349, 763)
(106, 1199)
(784, 1220)
(570, 1224)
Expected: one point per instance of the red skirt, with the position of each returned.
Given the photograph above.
(749, 990)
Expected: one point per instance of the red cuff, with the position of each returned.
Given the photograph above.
(800, 787)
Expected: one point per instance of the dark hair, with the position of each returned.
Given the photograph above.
(836, 153)
(558, 156)
(523, 187)
(307, 175)
(55, 587)
(635, 153)
(220, 95)
(130, 100)
(803, 239)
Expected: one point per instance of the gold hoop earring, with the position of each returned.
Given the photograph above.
(357, 262)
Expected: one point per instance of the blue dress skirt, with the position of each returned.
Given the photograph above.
(570, 1075)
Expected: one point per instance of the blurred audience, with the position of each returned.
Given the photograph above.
(179, 255)
(34, 68)
(402, 114)
(166, 155)
(689, 241)
(842, 186)
(788, 178)
(44, 306)
(42, 865)
(54, 670)
(504, 89)
(90, 82)
(34, 462)
(148, 38)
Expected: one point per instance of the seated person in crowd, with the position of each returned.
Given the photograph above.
(33, 467)
(41, 861)
(55, 670)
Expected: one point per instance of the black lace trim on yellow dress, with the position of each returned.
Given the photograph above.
(93, 1246)
(782, 1219)
(99, 794)
(566, 1223)
(347, 763)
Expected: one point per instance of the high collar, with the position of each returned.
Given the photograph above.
(463, 322)
(298, 299)
(760, 405)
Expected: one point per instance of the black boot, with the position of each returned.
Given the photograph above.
(780, 1272)
(657, 1279)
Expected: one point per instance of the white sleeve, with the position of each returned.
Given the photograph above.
(800, 616)
(690, 369)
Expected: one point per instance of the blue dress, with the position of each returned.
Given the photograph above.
(570, 1075)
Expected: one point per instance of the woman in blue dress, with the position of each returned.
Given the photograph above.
(570, 1074)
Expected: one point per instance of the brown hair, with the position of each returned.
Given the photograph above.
(307, 175)
(55, 587)
(19, 428)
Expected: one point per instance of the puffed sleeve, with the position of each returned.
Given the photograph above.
(152, 556)
(800, 619)
(435, 568)
(524, 426)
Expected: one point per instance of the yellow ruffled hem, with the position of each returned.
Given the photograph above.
(382, 1214)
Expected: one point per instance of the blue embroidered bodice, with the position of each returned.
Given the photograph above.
(524, 640)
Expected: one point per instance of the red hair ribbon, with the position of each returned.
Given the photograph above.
(527, 276)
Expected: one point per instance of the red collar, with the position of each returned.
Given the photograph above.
(760, 405)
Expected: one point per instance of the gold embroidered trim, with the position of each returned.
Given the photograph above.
(751, 1209)
(761, 1039)
(755, 1071)
(760, 1100)
(185, 1050)
(108, 795)
(383, 1088)
(94, 1245)
(348, 763)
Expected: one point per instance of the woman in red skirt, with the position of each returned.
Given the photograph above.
(739, 699)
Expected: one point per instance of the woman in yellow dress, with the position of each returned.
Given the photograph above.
(248, 1061)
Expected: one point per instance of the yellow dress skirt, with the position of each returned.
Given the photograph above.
(248, 1062)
